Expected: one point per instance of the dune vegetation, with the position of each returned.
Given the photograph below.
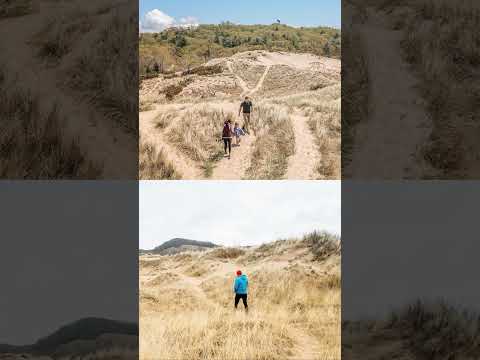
(180, 49)
(444, 66)
(186, 302)
(420, 330)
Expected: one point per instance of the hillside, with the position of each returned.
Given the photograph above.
(81, 123)
(419, 331)
(295, 124)
(425, 126)
(178, 49)
(84, 337)
(186, 302)
(177, 245)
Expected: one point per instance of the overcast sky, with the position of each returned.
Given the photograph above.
(409, 240)
(236, 212)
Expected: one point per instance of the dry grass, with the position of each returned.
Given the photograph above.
(106, 75)
(197, 134)
(355, 93)
(425, 330)
(294, 309)
(153, 164)
(446, 65)
(33, 144)
(274, 143)
(146, 106)
(324, 122)
(58, 38)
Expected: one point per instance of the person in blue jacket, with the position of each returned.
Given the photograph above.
(240, 288)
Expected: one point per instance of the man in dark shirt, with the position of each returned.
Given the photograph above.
(247, 107)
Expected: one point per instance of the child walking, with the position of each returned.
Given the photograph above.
(238, 132)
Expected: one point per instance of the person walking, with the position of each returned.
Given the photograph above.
(227, 135)
(240, 288)
(238, 132)
(246, 107)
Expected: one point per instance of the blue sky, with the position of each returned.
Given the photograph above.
(236, 212)
(297, 12)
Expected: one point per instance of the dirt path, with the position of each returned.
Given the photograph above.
(246, 90)
(186, 167)
(260, 82)
(306, 347)
(387, 144)
(301, 166)
(235, 167)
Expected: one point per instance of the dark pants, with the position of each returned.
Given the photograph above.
(227, 142)
(244, 299)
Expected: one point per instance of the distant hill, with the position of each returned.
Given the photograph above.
(83, 329)
(178, 49)
(177, 245)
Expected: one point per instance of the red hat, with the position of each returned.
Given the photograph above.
(239, 272)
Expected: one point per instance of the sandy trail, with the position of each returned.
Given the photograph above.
(260, 82)
(301, 166)
(387, 144)
(246, 90)
(186, 167)
(235, 167)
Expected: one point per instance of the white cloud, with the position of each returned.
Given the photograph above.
(156, 21)
(237, 212)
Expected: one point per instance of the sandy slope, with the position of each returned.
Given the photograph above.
(386, 146)
(104, 142)
(228, 89)
(204, 283)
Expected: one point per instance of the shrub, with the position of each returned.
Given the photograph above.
(204, 70)
(153, 164)
(323, 244)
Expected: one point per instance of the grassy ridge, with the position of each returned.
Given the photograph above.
(183, 48)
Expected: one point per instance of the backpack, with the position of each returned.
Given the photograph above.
(227, 132)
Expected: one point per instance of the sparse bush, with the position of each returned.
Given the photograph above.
(153, 164)
(59, 36)
(274, 144)
(440, 61)
(33, 144)
(197, 133)
(325, 123)
(106, 75)
(204, 70)
(173, 90)
(146, 106)
(163, 120)
(317, 87)
(323, 244)
(226, 253)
